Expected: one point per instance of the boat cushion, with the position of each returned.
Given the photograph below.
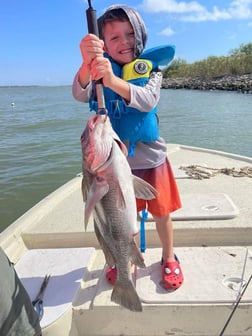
(67, 267)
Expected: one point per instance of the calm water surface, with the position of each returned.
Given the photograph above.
(40, 129)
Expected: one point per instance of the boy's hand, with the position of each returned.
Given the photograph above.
(101, 68)
(91, 46)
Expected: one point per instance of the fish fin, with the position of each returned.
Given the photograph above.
(108, 256)
(135, 255)
(120, 201)
(84, 189)
(143, 189)
(97, 190)
(126, 295)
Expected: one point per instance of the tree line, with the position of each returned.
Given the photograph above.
(238, 62)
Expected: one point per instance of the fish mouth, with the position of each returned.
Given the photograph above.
(95, 154)
(97, 119)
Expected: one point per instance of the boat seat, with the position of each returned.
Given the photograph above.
(67, 267)
(207, 206)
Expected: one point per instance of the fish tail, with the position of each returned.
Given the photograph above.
(126, 296)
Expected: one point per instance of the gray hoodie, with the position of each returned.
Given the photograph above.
(135, 20)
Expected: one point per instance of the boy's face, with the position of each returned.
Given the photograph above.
(119, 41)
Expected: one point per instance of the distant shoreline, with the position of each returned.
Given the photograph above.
(242, 84)
(32, 86)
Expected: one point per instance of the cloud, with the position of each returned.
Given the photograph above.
(215, 15)
(167, 32)
(241, 9)
(193, 11)
(171, 6)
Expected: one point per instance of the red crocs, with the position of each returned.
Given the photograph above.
(172, 276)
(111, 274)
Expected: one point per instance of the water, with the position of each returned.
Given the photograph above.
(216, 120)
(40, 129)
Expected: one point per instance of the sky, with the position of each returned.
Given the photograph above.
(39, 40)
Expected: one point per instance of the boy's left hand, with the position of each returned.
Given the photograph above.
(101, 68)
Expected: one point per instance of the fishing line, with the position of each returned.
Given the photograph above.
(236, 305)
(243, 273)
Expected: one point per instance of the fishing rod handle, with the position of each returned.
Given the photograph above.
(92, 21)
(93, 29)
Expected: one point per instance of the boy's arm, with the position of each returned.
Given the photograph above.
(80, 93)
(84, 75)
(142, 98)
(121, 87)
(146, 98)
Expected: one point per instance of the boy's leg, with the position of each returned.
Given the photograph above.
(172, 276)
(165, 232)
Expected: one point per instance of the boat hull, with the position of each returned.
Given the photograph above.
(211, 248)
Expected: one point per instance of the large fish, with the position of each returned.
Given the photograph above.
(109, 190)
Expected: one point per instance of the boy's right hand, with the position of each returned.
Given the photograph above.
(91, 46)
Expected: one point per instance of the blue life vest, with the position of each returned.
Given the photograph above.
(129, 123)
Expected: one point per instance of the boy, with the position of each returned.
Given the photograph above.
(132, 91)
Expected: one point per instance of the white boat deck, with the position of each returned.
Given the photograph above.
(213, 233)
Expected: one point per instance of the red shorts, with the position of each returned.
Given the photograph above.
(162, 179)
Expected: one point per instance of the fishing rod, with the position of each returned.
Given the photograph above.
(236, 305)
(93, 29)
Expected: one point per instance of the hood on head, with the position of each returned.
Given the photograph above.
(136, 22)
